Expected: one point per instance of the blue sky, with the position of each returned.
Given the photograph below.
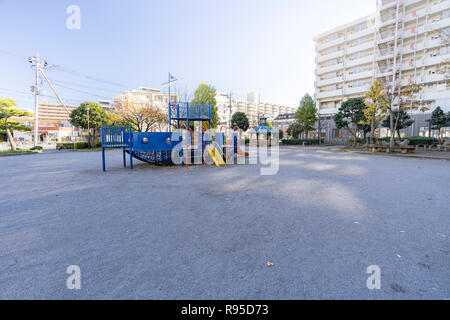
(234, 45)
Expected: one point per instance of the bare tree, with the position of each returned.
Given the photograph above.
(398, 98)
(141, 115)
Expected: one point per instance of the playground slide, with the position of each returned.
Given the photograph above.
(216, 156)
(242, 153)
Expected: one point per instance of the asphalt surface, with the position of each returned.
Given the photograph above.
(208, 233)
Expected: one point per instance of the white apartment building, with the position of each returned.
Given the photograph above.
(152, 97)
(253, 107)
(406, 41)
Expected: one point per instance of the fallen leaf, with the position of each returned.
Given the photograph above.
(356, 222)
(399, 256)
(270, 264)
(442, 235)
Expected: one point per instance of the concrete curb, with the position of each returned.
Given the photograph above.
(397, 155)
(18, 154)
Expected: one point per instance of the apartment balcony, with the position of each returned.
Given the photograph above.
(429, 95)
(387, 4)
(329, 69)
(327, 82)
(390, 19)
(360, 61)
(430, 61)
(387, 71)
(329, 94)
(432, 26)
(361, 47)
(429, 44)
(442, 24)
(330, 56)
(408, 3)
(430, 10)
(356, 90)
(359, 75)
(384, 54)
(385, 36)
(427, 79)
(410, 65)
(329, 44)
(360, 34)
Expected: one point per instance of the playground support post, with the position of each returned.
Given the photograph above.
(130, 135)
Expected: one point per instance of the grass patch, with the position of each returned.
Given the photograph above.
(16, 151)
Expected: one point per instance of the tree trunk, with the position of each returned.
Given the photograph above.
(392, 131)
(320, 132)
(10, 139)
(89, 138)
(372, 131)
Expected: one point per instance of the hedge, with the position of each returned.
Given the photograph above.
(307, 142)
(414, 141)
(72, 145)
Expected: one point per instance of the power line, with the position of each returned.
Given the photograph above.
(80, 91)
(13, 54)
(82, 75)
(82, 85)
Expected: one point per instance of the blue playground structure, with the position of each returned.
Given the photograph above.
(159, 147)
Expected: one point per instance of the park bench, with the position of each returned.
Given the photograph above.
(445, 146)
(404, 147)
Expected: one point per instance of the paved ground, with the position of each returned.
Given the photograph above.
(207, 233)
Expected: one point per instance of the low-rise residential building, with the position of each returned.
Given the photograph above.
(252, 106)
(153, 97)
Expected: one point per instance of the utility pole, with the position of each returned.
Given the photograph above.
(39, 66)
(229, 121)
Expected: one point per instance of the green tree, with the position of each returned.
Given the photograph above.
(350, 115)
(207, 94)
(7, 110)
(404, 121)
(239, 119)
(97, 118)
(294, 130)
(373, 112)
(280, 134)
(439, 120)
(306, 115)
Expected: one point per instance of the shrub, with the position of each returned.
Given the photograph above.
(415, 141)
(38, 148)
(70, 145)
(81, 145)
(307, 142)
(359, 140)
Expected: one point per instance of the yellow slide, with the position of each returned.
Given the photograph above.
(216, 154)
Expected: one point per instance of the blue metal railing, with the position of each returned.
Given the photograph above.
(191, 110)
(116, 137)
